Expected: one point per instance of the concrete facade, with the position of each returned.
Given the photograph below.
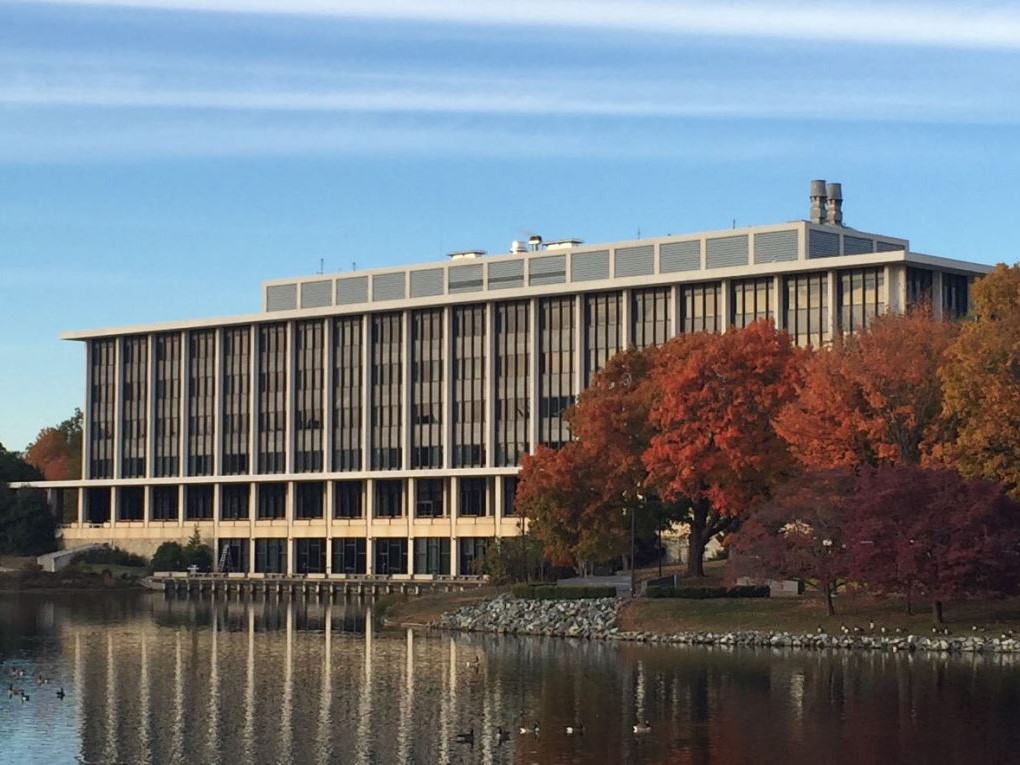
(372, 422)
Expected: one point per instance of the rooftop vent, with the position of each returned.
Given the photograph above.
(535, 242)
(826, 203)
(517, 247)
(465, 254)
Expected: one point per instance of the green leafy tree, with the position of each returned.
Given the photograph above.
(14, 468)
(169, 556)
(197, 553)
(27, 527)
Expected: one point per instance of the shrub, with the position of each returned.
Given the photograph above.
(109, 556)
(553, 592)
(169, 556)
(511, 559)
(708, 593)
(196, 553)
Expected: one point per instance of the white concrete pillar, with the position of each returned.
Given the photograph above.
(534, 351)
(725, 307)
(490, 384)
(290, 398)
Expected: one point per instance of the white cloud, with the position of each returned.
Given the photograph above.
(970, 25)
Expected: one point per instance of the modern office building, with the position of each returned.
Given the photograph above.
(373, 421)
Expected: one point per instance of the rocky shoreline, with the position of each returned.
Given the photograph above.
(596, 620)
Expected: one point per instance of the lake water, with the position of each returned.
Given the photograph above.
(160, 680)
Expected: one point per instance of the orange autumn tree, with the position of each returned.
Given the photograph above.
(872, 398)
(981, 383)
(573, 496)
(715, 444)
(56, 451)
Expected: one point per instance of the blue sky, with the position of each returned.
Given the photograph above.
(159, 158)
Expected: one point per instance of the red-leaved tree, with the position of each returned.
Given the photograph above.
(800, 533)
(715, 444)
(933, 533)
(873, 397)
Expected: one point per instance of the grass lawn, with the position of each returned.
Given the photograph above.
(418, 610)
(805, 614)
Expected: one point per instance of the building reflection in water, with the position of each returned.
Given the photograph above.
(309, 680)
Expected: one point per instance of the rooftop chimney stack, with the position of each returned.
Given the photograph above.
(818, 201)
(834, 208)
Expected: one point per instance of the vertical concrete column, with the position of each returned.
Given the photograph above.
(253, 398)
(676, 325)
(86, 423)
(936, 295)
(216, 512)
(185, 425)
(833, 309)
(580, 344)
(725, 307)
(497, 503)
(448, 396)
(80, 491)
(146, 505)
(291, 490)
(290, 400)
(454, 516)
(118, 407)
(150, 416)
(328, 393)
(534, 389)
(407, 332)
(490, 384)
(182, 509)
(218, 395)
(626, 330)
(369, 519)
(778, 302)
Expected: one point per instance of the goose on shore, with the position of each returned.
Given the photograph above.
(466, 738)
(643, 727)
(533, 729)
(575, 730)
(502, 734)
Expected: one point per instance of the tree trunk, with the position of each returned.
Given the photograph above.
(936, 611)
(829, 605)
(698, 540)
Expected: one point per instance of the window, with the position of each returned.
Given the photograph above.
(348, 555)
(164, 503)
(271, 556)
(97, 505)
(347, 499)
(201, 395)
(513, 398)
(236, 399)
(472, 549)
(167, 374)
(308, 390)
(236, 558)
(700, 304)
(385, 404)
(198, 502)
(556, 369)
(469, 386)
(432, 555)
(807, 308)
(134, 405)
(649, 316)
(390, 556)
(234, 501)
(509, 496)
(601, 331)
(861, 297)
(920, 286)
(310, 556)
(272, 395)
(955, 295)
(389, 499)
(103, 373)
(347, 393)
(308, 501)
(427, 389)
(428, 498)
(131, 503)
(272, 501)
(752, 300)
(473, 497)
